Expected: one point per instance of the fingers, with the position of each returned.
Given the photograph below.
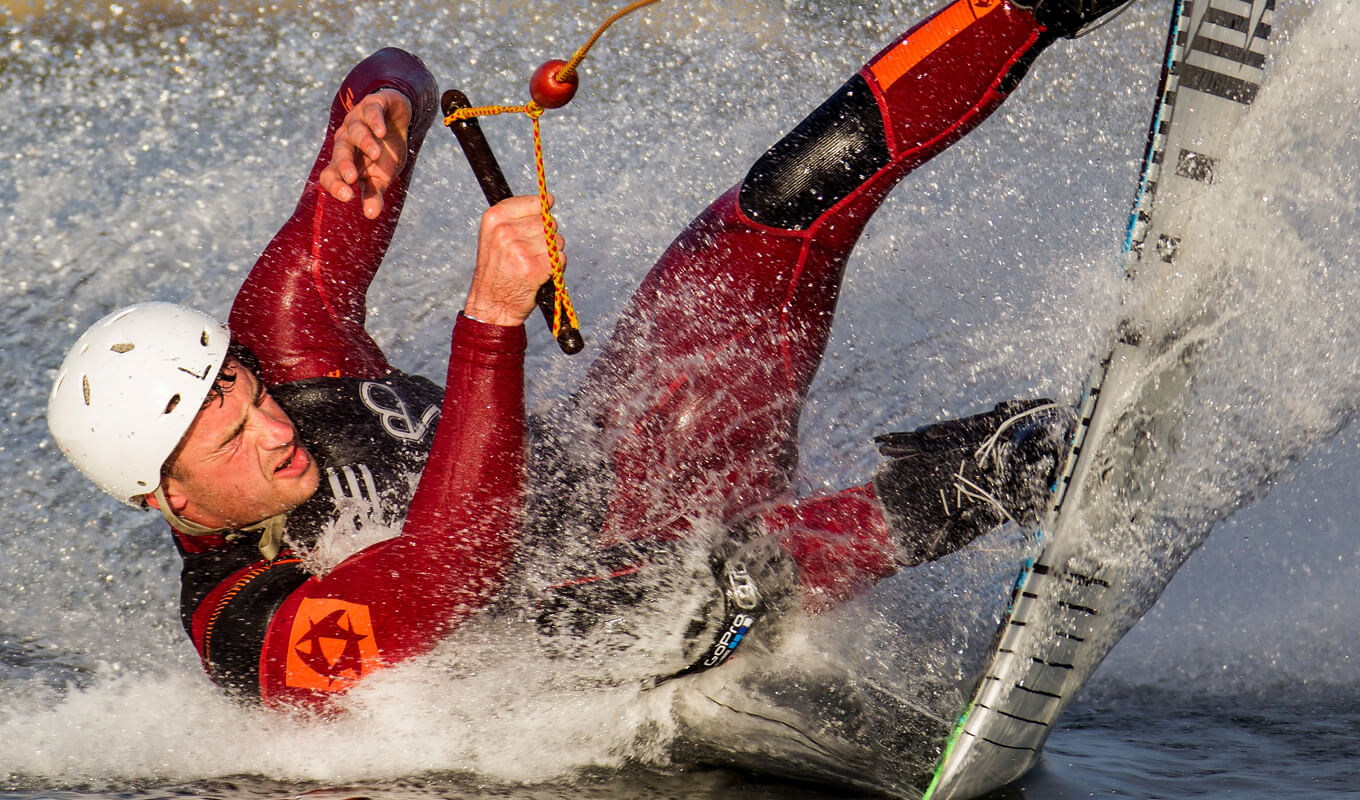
(512, 262)
(369, 150)
(337, 177)
(374, 128)
(354, 145)
(373, 197)
(362, 133)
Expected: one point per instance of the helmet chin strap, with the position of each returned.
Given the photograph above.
(271, 529)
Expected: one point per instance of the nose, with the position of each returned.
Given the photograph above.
(276, 430)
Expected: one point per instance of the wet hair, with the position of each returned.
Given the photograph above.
(226, 376)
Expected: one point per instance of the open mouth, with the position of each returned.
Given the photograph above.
(296, 462)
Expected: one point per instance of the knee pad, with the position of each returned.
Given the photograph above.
(830, 154)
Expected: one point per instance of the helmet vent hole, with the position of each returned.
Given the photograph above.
(123, 347)
(170, 406)
(203, 340)
(85, 388)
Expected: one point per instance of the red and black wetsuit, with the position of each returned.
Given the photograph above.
(698, 393)
(267, 628)
(695, 414)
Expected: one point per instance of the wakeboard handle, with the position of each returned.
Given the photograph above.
(494, 186)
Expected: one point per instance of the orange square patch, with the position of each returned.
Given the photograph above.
(331, 645)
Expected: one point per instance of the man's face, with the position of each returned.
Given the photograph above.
(240, 461)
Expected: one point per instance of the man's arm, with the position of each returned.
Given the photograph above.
(450, 560)
(400, 596)
(302, 308)
(269, 630)
(397, 598)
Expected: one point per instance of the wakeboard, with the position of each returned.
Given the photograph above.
(1093, 576)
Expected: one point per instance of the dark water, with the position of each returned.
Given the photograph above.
(1142, 743)
(153, 149)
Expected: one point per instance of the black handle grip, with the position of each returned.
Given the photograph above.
(492, 180)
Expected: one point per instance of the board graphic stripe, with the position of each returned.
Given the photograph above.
(1086, 580)
(1227, 19)
(1232, 52)
(1007, 746)
(1015, 717)
(1218, 84)
(1054, 664)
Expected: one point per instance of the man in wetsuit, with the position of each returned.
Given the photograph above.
(256, 440)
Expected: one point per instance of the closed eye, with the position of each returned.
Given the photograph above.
(256, 400)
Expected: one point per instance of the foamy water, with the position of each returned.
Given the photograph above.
(155, 150)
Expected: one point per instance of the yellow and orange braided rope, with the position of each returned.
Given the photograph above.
(562, 308)
(580, 55)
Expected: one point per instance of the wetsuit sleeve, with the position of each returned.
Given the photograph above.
(397, 598)
(301, 309)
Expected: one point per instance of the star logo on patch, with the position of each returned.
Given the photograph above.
(331, 645)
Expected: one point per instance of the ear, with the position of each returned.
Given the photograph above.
(178, 501)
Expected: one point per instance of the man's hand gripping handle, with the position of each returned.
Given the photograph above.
(492, 180)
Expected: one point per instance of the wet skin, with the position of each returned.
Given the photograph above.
(240, 462)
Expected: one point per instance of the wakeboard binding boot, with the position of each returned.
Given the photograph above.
(1070, 19)
(949, 483)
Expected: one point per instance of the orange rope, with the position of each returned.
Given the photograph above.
(561, 300)
(567, 69)
(562, 308)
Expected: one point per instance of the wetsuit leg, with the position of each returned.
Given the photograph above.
(943, 486)
(841, 543)
(701, 387)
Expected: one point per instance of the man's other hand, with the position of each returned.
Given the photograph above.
(369, 150)
(512, 262)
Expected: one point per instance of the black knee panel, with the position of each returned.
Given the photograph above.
(829, 155)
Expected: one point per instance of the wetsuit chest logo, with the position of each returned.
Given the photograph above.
(331, 645)
(384, 401)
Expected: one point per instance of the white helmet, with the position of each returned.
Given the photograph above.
(130, 388)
